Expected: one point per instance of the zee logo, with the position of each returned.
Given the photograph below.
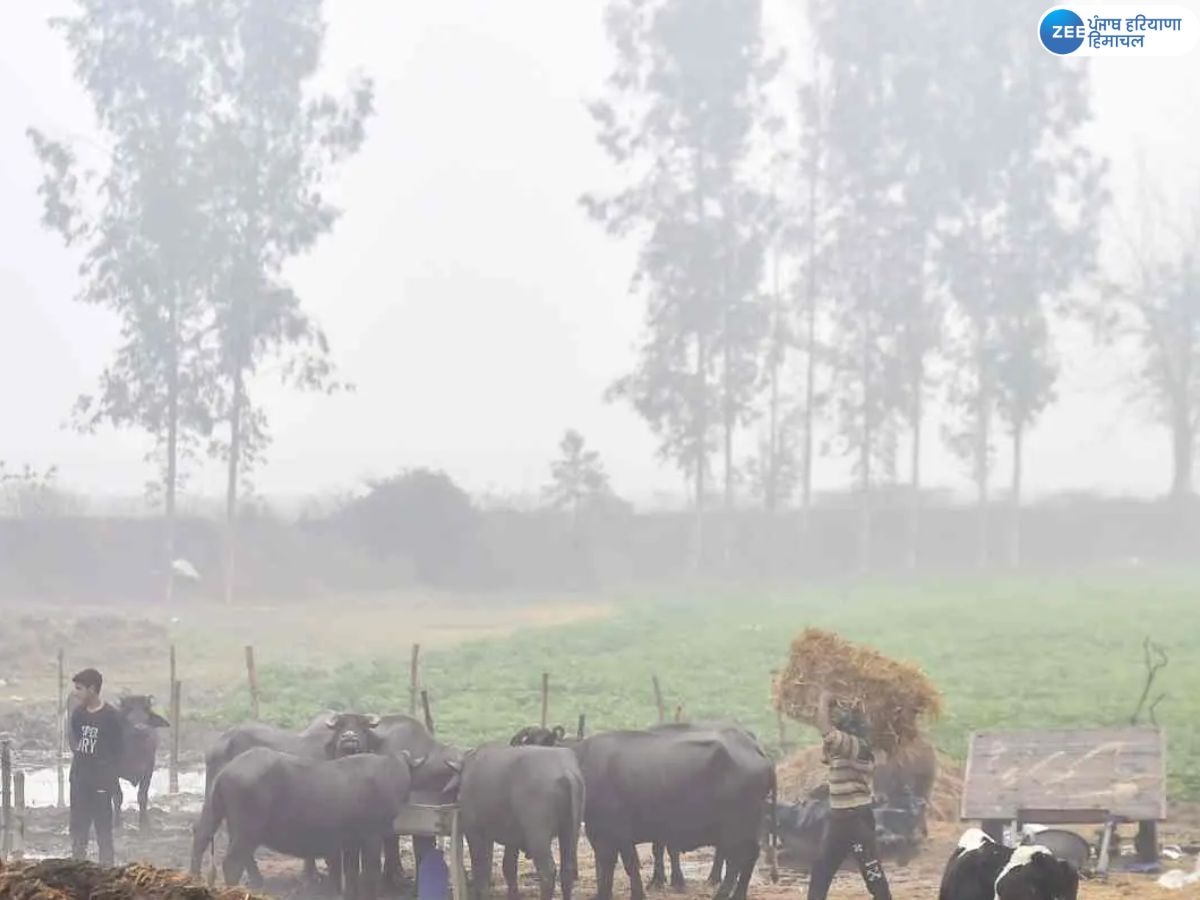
(1062, 31)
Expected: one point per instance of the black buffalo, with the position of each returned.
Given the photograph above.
(658, 877)
(139, 750)
(306, 808)
(522, 797)
(329, 735)
(682, 787)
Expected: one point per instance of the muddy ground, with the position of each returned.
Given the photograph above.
(166, 842)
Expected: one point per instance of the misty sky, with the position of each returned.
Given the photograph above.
(477, 310)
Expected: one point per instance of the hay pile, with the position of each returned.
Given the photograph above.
(61, 879)
(803, 771)
(895, 695)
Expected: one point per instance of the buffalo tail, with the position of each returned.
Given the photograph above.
(774, 836)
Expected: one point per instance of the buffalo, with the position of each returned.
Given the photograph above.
(393, 735)
(522, 797)
(682, 787)
(139, 750)
(305, 808)
(328, 735)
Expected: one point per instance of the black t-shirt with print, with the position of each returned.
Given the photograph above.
(96, 745)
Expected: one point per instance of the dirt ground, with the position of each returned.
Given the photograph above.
(167, 843)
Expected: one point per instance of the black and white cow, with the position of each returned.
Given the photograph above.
(981, 869)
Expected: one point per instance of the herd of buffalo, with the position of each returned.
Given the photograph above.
(334, 790)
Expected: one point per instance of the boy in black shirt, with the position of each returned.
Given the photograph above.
(96, 748)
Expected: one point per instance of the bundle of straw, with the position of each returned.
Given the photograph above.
(894, 695)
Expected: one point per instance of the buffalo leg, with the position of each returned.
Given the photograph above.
(480, 849)
(542, 852)
(350, 854)
(677, 880)
(143, 801)
(512, 854)
(335, 866)
(744, 873)
(629, 856)
(568, 861)
(239, 858)
(729, 882)
(369, 872)
(606, 864)
(714, 874)
(658, 878)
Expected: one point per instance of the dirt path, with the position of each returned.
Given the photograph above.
(167, 843)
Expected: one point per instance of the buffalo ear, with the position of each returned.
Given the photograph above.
(332, 721)
(373, 721)
(157, 721)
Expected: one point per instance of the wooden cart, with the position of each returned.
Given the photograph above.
(1102, 776)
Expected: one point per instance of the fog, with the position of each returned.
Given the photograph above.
(466, 295)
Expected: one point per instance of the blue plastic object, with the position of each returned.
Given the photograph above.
(433, 876)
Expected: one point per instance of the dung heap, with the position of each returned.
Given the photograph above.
(895, 695)
(61, 879)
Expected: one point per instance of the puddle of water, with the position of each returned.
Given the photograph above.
(41, 788)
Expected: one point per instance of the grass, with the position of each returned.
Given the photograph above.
(1009, 654)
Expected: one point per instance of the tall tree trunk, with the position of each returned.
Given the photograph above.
(982, 445)
(916, 415)
(868, 437)
(172, 447)
(810, 301)
(1018, 450)
(775, 361)
(231, 484)
(700, 439)
(771, 476)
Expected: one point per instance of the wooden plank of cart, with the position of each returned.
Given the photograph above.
(1081, 776)
(426, 818)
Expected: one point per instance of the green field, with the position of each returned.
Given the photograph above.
(1006, 654)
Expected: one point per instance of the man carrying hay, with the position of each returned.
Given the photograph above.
(850, 828)
(95, 730)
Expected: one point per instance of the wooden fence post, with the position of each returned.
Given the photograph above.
(18, 839)
(62, 729)
(679, 713)
(582, 724)
(173, 767)
(176, 728)
(6, 797)
(783, 744)
(428, 714)
(658, 700)
(252, 675)
(545, 698)
(413, 675)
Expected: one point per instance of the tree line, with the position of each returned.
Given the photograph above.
(902, 228)
(893, 218)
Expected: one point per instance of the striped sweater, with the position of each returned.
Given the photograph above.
(850, 766)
